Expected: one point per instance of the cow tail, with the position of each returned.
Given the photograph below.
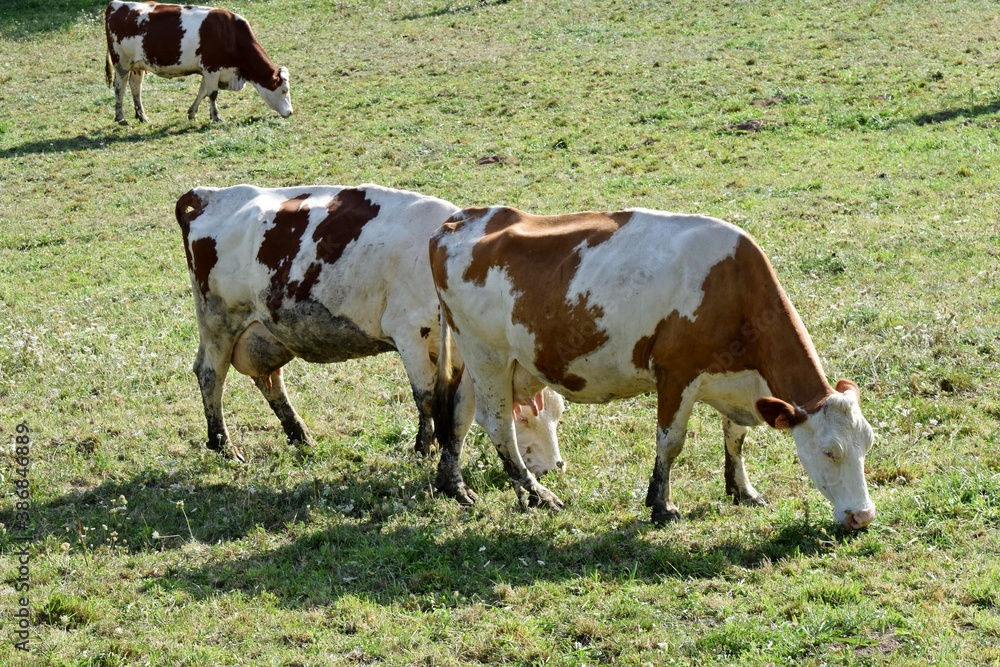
(450, 371)
(109, 70)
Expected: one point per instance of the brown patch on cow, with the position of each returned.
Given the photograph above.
(226, 40)
(162, 35)
(280, 246)
(204, 256)
(119, 24)
(745, 322)
(349, 212)
(532, 251)
(189, 206)
(425, 332)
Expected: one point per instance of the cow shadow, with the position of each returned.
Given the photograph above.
(97, 140)
(21, 19)
(418, 566)
(944, 115)
(365, 552)
(451, 11)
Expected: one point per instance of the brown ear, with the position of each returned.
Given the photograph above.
(846, 385)
(779, 414)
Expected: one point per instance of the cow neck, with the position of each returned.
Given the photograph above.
(259, 69)
(782, 350)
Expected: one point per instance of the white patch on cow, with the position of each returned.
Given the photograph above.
(734, 394)
(666, 277)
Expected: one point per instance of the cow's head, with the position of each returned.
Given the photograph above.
(279, 97)
(832, 443)
(535, 426)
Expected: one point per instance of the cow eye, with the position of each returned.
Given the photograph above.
(830, 455)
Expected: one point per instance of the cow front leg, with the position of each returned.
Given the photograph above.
(121, 80)
(135, 83)
(273, 389)
(203, 90)
(674, 407)
(213, 110)
(211, 367)
(494, 410)
(737, 482)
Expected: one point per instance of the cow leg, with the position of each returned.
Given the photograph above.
(461, 413)
(210, 88)
(121, 80)
(203, 90)
(213, 110)
(211, 366)
(737, 482)
(135, 83)
(259, 355)
(674, 407)
(494, 409)
(273, 389)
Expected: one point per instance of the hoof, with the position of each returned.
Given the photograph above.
(664, 515)
(227, 450)
(460, 492)
(746, 500)
(539, 496)
(121, 121)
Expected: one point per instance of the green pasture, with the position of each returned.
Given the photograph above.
(857, 141)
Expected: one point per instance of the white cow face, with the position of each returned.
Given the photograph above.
(832, 444)
(279, 99)
(535, 427)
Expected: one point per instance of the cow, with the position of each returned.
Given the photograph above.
(607, 305)
(326, 274)
(175, 40)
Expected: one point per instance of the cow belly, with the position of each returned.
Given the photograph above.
(316, 335)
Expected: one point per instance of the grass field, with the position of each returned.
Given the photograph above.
(869, 178)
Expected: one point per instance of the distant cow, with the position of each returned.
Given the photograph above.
(176, 40)
(326, 274)
(610, 305)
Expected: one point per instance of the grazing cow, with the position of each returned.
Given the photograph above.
(610, 305)
(176, 40)
(326, 274)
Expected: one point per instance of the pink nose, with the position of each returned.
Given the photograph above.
(861, 519)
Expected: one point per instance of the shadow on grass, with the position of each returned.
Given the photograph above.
(451, 11)
(89, 141)
(369, 554)
(961, 112)
(414, 566)
(21, 19)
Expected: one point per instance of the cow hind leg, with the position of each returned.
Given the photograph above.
(121, 80)
(260, 356)
(453, 416)
(211, 366)
(135, 83)
(737, 481)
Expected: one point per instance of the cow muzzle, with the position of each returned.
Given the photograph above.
(858, 520)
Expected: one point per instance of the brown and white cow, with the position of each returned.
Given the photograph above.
(175, 40)
(326, 274)
(609, 305)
